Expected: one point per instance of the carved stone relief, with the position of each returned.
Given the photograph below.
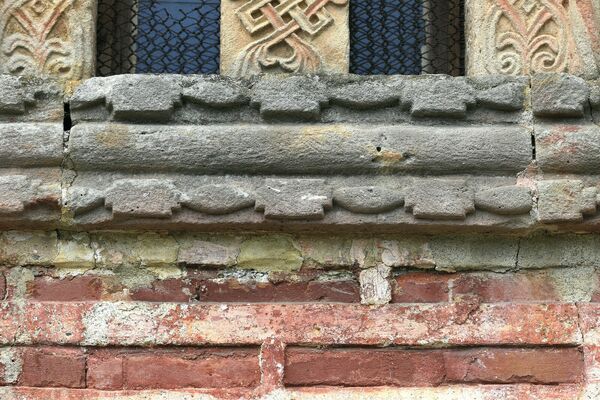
(47, 37)
(298, 36)
(520, 37)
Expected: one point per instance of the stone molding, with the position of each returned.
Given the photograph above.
(173, 152)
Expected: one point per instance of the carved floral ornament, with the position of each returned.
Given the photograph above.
(292, 23)
(44, 37)
(535, 36)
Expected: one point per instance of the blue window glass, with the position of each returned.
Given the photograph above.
(177, 36)
(406, 36)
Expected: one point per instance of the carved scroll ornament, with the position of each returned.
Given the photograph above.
(528, 36)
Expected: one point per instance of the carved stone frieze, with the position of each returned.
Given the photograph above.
(295, 36)
(533, 36)
(197, 100)
(202, 200)
(47, 38)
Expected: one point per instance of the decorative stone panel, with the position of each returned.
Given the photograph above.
(48, 38)
(517, 37)
(298, 36)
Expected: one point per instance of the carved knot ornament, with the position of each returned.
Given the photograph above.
(283, 23)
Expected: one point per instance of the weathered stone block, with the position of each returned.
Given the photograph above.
(568, 148)
(265, 35)
(45, 38)
(375, 288)
(559, 95)
(440, 199)
(565, 200)
(521, 37)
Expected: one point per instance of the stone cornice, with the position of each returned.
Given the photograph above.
(394, 153)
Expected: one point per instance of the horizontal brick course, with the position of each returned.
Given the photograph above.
(172, 369)
(420, 287)
(307, 367)
(396, 367)
(325, 291)
(146, 324)
(79, 288)
(497, 365)
(52, 367)
(506, 287)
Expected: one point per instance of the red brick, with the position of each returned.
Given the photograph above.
(363, 367)
(539, 366)
(508, 287)
(421, 288)
(218, 368)
(53, 367)
(234, 291)
(272, 361)
(170, 290)
(79, 288)
(397, 367)
(105, 370)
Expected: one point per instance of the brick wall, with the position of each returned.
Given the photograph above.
(133, 331)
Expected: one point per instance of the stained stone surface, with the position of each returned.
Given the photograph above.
(533, 36)
(291, 36)
(47, 38)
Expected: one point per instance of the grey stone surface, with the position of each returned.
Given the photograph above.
(433, 97)
(30, 99)
(507, 200)
(440, 199)
(218, 199)
(141, 97)
(290, 199)
(30, 198)
(142, 198)
(559, 251)
(31, 144)
(368, 199)
(367, 94)
(565, 200)
(568, 147)
(344, 98)
(300, 149)
(17, 192)
(559, 95)
(282, 97)
(429, 153)
(506, 96)
(224, 202)
(216, 93)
